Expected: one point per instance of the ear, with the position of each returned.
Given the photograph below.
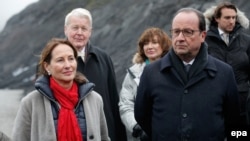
(90, 32)
(217, 19)
(65, 31)
(203, 35)
(46, 66)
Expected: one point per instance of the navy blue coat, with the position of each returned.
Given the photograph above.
(199, 107)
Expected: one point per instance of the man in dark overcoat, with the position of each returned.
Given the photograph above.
(177, 102)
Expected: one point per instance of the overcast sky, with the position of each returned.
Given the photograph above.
(10, 7)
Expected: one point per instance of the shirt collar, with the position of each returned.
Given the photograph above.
(221, 32)
(186, 63)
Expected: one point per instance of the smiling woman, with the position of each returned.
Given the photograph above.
(74, 112)
(11, 7)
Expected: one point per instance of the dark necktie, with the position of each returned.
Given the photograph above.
(187, 67)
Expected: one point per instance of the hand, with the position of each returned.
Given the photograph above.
(144, 137)
(139, 133)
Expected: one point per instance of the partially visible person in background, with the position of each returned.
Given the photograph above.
(97, 66)
(153, 44)
(64, 106)
(4, 137)
(227, 41)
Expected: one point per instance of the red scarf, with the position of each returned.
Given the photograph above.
(68, 127)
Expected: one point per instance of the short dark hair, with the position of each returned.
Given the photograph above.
(202, 22)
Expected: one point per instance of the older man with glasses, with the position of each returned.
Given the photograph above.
(200, 104)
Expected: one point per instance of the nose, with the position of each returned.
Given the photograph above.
(180, 36)
(232, 20)
(67, 64)
(79, 31)
(148, 45)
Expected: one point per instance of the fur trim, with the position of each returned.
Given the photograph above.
(241, 17)
(137, 59)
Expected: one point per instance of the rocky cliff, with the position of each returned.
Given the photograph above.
(117, 25)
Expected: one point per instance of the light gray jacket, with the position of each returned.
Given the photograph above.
(127, 98)
(34, 120)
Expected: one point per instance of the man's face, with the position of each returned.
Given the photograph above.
(186, 36)
(227, 20)
(78, 31)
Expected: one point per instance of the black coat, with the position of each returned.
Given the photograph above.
(200, 107)
(98, 68)
(236, 54)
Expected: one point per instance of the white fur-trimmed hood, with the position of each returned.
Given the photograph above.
(241, 17)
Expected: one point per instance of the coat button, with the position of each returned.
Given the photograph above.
(185, 91)
(184, 115)
(91, 137)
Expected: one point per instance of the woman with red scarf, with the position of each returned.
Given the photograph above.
(64, 106)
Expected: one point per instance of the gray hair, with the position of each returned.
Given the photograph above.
(79, 12)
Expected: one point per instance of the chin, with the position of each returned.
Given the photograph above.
(180, 51)
(68, 78)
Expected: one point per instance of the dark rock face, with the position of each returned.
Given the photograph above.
(117, 26)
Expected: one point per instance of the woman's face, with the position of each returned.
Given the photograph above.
(62, 66)
(153, 50)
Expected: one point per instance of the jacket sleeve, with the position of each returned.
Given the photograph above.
(231, 106)
(103, 124)
(22, 125)
(114, 99)
(143, 103)
(127, 102)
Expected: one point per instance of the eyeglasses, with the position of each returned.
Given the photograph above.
(185, 32)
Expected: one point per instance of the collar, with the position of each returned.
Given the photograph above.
(42, 85)
(82, 52)
(190, 63)
(171, 59)
(221, 32)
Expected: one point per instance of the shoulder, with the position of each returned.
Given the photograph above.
(32, 100)
(153, 69)
(160, 64)
(94, 97)
(97, 50)
(245, 36)
(137, 68)
(220, 65)
(32, 96)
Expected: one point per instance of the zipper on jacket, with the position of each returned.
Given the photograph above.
(58, 106)
(81, 99)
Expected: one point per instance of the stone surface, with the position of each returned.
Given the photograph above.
(117, 25)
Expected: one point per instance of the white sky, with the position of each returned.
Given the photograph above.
(10, 7)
